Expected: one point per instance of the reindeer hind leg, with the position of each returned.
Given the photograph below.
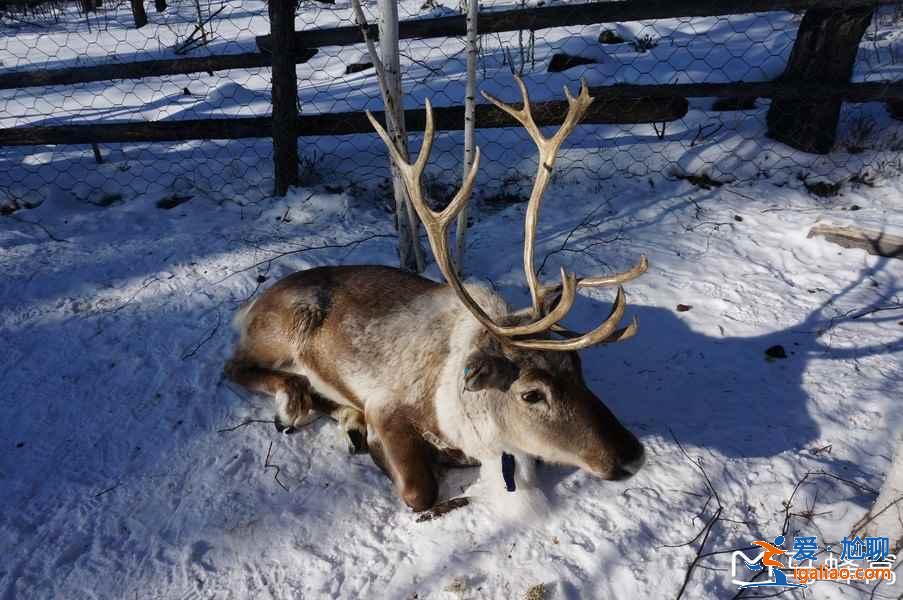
(293, 395)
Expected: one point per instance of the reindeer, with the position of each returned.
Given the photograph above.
(420, 371)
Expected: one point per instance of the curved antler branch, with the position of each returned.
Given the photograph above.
(548, 151)
(437, 224)
(601, 334)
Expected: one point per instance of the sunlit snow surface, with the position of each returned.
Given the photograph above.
(116, 480)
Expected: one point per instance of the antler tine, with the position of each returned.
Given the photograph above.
(437, 223)
(617, 278)
(548, 149)
(625, 333)
(603, 333)
(604, 280)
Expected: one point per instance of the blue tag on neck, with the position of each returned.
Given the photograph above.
(508, 465)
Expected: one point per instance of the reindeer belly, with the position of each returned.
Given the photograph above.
(328, 386)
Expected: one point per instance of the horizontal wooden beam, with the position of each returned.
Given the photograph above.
(632, 110)
(140, 69)
(564, 15)
(139, 131)
(872, 91)
(614, 104)
(451, 118)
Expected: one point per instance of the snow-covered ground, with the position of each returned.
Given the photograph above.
(118, 482)
(125, 469)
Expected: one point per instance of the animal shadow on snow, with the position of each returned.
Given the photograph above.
(723, 393)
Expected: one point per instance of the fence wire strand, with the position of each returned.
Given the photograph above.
(718, 140)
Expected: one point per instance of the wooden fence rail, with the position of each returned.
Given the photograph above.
(143, 68)
(622, 104)
(625, 110)
(812, 99)
(565, 15)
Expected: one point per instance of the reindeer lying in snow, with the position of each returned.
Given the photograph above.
(415, 367)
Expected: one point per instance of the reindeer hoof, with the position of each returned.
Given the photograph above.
(282, 427)
(358, 442)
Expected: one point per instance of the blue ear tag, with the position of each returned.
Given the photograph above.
(508, 466)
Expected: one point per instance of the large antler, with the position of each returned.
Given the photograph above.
(548, 152)
(437, 223)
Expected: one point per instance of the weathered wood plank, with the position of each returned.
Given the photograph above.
(623, 110)
(614, 104)
(876, 243)
(565, 15)
(451, 118)
(849, 92)
(150, 131)
(140, 69)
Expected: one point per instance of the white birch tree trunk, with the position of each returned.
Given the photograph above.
(409, 253)
(470, 101)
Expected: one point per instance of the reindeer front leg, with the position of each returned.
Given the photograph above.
(399, 450)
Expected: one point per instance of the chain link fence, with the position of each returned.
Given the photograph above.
(717, 140)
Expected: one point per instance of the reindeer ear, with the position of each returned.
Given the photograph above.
(488, 371)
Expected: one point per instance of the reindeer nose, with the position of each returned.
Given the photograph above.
(631, 466)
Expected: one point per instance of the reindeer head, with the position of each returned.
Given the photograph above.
(532, 384)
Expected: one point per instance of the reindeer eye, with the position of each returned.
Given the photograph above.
(533, 396)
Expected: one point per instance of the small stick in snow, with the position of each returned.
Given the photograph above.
(267, 465)
(219, 320)
(860, 526)
(244, 423)
(707, 528)
(109, 489)
(588, 224)
(709, 525)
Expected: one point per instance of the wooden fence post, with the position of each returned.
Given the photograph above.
(139, 13)
(824, 52)
(285, 94)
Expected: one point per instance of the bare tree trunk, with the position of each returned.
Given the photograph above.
(410, 256)
(470, 101)
(139, 13)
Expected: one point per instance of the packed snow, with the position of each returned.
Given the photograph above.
(131, 469)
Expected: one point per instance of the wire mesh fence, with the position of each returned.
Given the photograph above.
(716, 140)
